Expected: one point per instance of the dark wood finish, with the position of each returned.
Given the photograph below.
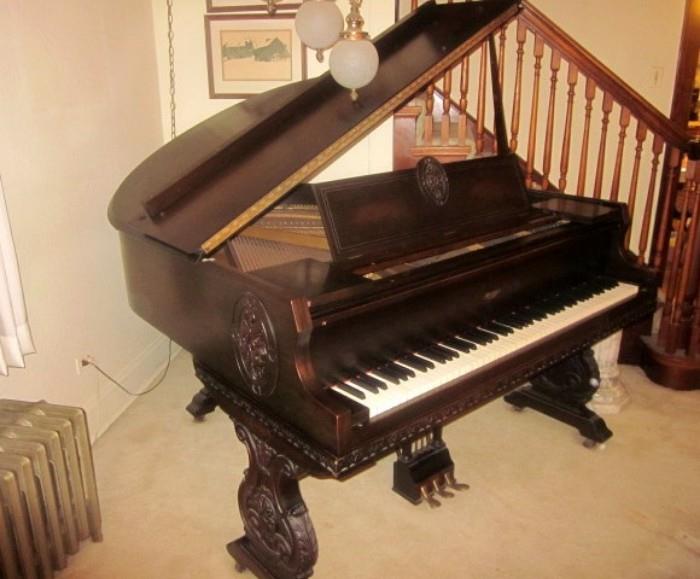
(687, 65)
(409, 219)
(194, 186)
(202, 403)
(270, 343)
(562, 392)
(677, 371)
(279, 541)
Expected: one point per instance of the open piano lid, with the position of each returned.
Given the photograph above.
(206, 185)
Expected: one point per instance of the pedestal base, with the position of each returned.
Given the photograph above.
(562, 392)
(676, 371)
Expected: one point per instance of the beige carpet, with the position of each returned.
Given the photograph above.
(540, 505)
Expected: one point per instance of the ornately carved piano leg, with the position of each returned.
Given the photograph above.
(279, 540)
(562, 392)
(202, 404)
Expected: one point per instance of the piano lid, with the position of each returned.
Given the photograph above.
(206, 185)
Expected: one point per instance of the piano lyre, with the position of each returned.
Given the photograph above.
(339, 322)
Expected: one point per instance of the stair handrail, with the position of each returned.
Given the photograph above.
(605, 78)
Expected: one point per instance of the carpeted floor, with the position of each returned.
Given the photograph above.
(540, 506)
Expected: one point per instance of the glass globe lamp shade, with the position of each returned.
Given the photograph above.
(319, 24)
(354, 63)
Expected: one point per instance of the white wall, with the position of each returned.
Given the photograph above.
(637, 39)
(79, 108)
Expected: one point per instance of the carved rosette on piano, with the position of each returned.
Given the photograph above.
(339, 322)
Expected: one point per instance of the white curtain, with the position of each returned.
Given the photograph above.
(15, 337)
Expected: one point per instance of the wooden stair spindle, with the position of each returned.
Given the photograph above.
(481, 103)
(600, 167)
(625, 117)
(463, 101)
(585, 141)
(668, 330)
(446, 105)
(538, 53)
(555, 66)
(521, 37)
(428, 120)
(657, 149)
(634, 182)
(572, 80)
(501, 56)
(663, 217)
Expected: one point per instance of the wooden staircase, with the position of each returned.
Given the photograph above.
(580, 129)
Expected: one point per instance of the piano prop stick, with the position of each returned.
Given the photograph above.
(339, 323)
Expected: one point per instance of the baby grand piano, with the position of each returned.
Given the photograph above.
(339, 322)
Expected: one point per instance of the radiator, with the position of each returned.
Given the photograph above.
(48, 491)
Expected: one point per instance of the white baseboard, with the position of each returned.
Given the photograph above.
(137, 376)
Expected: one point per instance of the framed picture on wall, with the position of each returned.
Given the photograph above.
(252, 53)
(405, 7)
(248, 5)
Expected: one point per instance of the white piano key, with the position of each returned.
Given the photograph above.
(464, 364)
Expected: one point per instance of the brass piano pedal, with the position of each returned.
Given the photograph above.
(428, 497)
(452, 482)
(439, 487)
(424, 470)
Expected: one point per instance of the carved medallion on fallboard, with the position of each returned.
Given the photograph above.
(433, 181)
(255, 345)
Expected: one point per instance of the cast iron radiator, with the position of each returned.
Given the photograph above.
(48, 491)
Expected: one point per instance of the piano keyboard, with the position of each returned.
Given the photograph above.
(389, 384)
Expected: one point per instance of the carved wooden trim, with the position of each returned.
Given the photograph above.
(343, 466)
(277, 525)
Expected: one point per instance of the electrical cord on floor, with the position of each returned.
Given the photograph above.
(150, 388)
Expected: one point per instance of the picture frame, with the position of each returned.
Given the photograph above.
(251, 53)
(248, 6)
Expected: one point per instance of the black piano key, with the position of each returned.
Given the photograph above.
(521, 318)
(477, 336)
(365, 380)
(434, 355)
(405, 373)
(416, 363)
(356, 392)
(387, 374)
(457, 344)
(444, 351)
(510, 321)
(496, 328)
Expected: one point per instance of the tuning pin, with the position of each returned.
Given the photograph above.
(454, 484)
(427, 494)
(441, 490)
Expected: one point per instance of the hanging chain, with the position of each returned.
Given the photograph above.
(171, 60)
